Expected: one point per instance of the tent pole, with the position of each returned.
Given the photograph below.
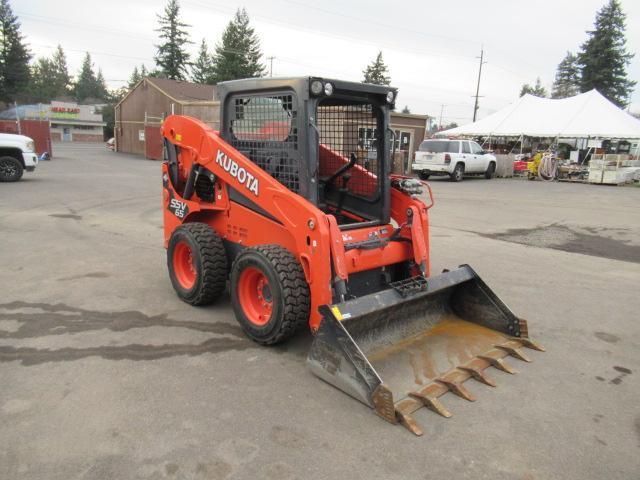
(521, 139)
(515, 145)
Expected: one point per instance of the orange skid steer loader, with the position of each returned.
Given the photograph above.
(293, 202)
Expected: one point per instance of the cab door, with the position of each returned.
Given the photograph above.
(467, 157)
(481, 161)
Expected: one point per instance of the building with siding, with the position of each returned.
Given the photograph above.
(409, 131)
(140, 113)
(68, 121)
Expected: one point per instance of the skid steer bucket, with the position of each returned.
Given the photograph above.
(401, 349)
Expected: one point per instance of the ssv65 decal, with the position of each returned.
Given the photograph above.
(239, 173)
(178, 208)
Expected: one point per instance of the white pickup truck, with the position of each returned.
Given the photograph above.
(455, 158)
(17, 154)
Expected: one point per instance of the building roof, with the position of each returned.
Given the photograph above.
(410, 115)
(586, 115)
(183, 92)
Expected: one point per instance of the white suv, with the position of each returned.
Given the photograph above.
(17, 154)
(455, 158)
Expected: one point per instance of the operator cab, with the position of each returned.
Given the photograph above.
(326, 140)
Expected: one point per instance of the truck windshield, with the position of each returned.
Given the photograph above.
(439, 146)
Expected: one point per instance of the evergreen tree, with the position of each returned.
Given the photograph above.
(101, 91)
(377, 72)
(604, 58)
(537, 90)
(202, 68)
(567, 82)
(62, 81)
(172, 59)
(157, 73)
(14, 55)
(89, 85)
(238, 55)
(406, 109)
(42, 84)
(135, 77)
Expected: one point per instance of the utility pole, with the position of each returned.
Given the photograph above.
(15, 105)
(477, 95)
(270, 65)
(441, 110)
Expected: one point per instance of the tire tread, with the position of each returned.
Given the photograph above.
(295, 292)
(214, 263)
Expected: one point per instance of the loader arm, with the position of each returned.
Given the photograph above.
(284, 217)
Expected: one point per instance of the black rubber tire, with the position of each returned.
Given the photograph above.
(289, 290)
(424, 176)
(458, 173)
(11, 169)
(209, 261)
(491, 171)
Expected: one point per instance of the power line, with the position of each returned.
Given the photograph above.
(92, 52)
(93, 27)
(316, 31)
(220, 8)
(84, 26)
(369, 21)
(397, 28)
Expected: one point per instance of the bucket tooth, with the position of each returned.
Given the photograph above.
(383, 403)
(526, 342)
(479, 375)
(499, 364)
(458, 389)
(407, 421)
(432, 403)
(514, 352)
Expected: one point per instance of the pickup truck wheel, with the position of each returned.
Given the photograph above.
(458, 173)
(11, 169)
(491, 171)
(424, 175)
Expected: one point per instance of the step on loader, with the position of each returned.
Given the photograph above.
(294, 204)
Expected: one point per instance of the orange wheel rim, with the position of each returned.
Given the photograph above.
(254, 294)
(183, 265)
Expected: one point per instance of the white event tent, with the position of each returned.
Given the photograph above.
(588, 115)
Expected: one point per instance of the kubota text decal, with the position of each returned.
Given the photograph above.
(239, 173)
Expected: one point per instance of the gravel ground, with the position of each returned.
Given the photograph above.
(105, 374)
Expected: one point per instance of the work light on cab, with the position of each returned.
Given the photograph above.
(316, 87)
(328, 89)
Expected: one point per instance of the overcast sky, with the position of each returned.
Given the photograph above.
(430, 47)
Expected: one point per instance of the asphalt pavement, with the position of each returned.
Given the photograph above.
(106, 374)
